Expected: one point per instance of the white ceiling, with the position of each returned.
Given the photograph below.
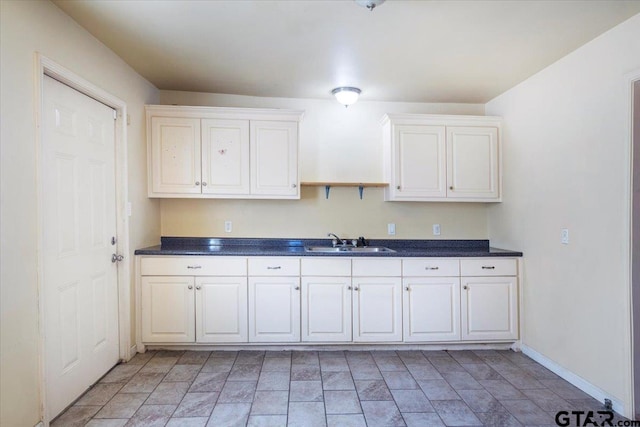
(415, 51)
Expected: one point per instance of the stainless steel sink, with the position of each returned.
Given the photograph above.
(346, 249)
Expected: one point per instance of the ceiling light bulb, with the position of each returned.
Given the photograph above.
(369, 4)
(346, 95)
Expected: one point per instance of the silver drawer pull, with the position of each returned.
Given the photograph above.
(488, 267)
(432, 268)
(194, 267)
(274, 268)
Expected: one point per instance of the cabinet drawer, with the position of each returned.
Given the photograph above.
(488, 267)
(431, 267)
(370, 267)
(325, 267)
(274, 266)
(193, 266)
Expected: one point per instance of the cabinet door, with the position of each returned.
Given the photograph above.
(274, 309)
(489, 308)
(274, 159)
(168, 310)
(221, 309)
(431, 308)
(377, 309)
(175, 155)
(473, 163)
(326, 309)
(225, 157)
(419, 162)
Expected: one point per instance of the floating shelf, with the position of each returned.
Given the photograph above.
(361, 185)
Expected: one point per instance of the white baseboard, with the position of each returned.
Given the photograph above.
(584, 385)
(133, 351)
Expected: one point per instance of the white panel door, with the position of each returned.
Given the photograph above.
(79, 220)
(274, 159)
(473, 163)
(221, 309)
(225, 157)
(274, 309)
(168, 309)
(326, 309)
(377, 309)
(431, 309)
(489, 308)
(420, 162)
(175, 153)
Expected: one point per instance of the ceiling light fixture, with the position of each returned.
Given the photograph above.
(346, 95)
(369, 4)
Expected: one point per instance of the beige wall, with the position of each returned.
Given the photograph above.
(337, 144)
(27, 27)
(567, 166)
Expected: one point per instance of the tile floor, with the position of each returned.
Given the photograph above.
(327, 388)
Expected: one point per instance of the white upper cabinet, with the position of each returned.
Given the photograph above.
(225, 156)
(420, 164)
(431, 158)
(274, 158)
(210, 152)
(175, 155)
(472, 162)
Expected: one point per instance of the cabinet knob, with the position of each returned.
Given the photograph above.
(356, 288)
(349, 288)
(488, 267)
(198, 287)
(297, 288)
(197, 182)
(398, 187)
(465, 287)
(294, 185)
(190, 287)
(204, 184)
(451, 188)
(407, 288)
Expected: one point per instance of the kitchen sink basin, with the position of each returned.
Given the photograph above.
(347, 249)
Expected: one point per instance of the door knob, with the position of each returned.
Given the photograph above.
(116, 257)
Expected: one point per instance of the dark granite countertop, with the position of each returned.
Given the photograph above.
(295, 247)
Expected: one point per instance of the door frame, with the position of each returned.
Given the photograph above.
(45, 66)
(634, 248)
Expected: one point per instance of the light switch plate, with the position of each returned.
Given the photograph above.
(564, 236)
(436, 229)
(228, 226)
(391, 229)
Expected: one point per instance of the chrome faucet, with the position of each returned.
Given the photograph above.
(337, 240)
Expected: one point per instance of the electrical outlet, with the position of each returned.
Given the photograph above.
(564, 236)
(228, 226)
(436, 229)
(391, 229)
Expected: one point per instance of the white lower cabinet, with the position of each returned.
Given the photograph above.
(431, 309)
(167, 309)
(377, 309)
(323, 300)
(489, 308)
(274, 309)
(326, 309)
(221, 309)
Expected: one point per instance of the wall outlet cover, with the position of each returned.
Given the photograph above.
(391, 229)
(228, 226)
(436, 229)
